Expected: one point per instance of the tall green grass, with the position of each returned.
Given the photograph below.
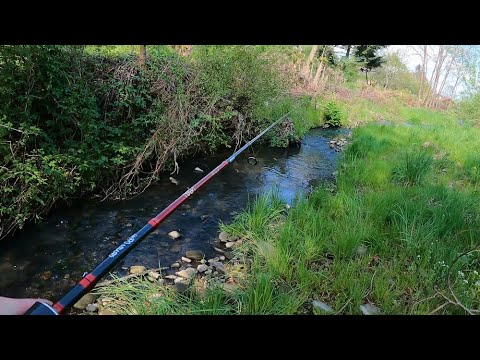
(401, 231)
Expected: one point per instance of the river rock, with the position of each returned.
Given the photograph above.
(369, 309)
(230, 244)
(187, 273)
(91, 307)
(198, 170)
(174, 181)
(208, 272)
(171, 277)
(222, 258)
(137, 269)
(178, 279)
(151, 279)
(85, 300)
(202, 268)
(175, 265)
(322, 306)
(219, 266)
(224, 237)
(195, 255)
(228, 255)
(174, 234)
(154, 274)
(107, 312)
(185, 259)
(219, 250)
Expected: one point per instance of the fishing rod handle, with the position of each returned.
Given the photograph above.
(40, 308)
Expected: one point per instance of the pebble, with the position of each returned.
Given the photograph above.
(174, 234)
(230, 244)
(195, 254)
(154, 275)
(91, 307)
(187, 273)
(187, 260)
(137, 269)
(197, 169)
(174, 181)
(224, 237)
(175, 265)
(202, 268)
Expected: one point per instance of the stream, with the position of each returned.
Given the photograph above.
(48, 258)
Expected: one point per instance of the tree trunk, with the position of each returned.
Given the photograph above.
(310, 59)
(320, 67)
(441, 59)
(455, 86)
(142, 54)
(447, 72)
(348, 51)
(433, 88)
(423, 71)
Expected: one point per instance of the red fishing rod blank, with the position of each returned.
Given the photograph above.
(89, 280)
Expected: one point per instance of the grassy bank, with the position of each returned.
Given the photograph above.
(399, 231)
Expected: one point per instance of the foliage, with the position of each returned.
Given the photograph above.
(368, 55)
(76, 120)
(333, 114)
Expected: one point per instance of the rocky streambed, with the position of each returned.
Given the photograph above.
(193, 269)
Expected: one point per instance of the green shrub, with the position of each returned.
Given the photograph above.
(333, 114)
(76, 120)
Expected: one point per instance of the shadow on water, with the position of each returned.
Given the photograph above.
(46, 259)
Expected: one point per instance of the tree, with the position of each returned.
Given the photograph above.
(452, 66)
(142, 56)
(368, 55)
(392, 67)
(306, 69)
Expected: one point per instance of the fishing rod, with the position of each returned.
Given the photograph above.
(90, 280)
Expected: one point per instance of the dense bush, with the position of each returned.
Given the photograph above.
(468, 109)
(333, 114)
(75, 121)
